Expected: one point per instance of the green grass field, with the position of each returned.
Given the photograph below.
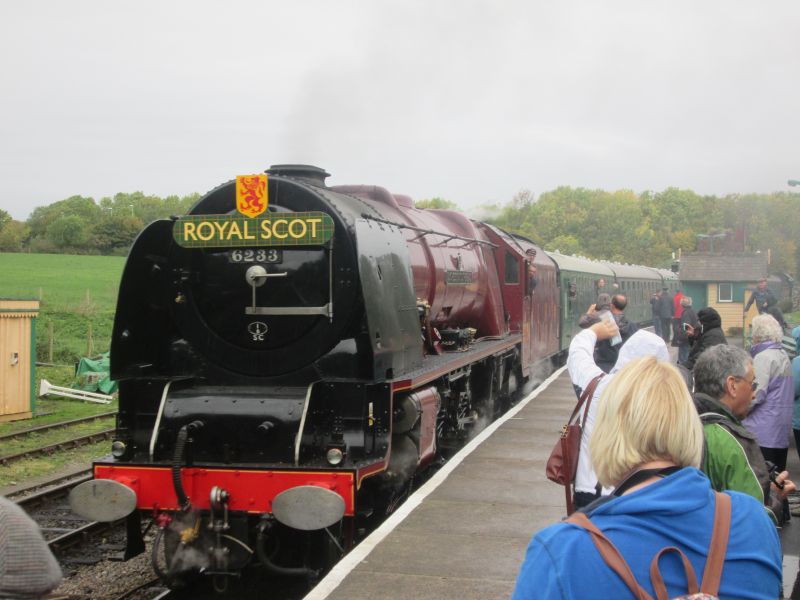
(75, 291)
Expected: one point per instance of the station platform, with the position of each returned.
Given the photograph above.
(463, 535)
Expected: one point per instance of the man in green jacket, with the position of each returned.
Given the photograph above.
(724, 383)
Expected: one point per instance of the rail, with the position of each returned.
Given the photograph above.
(43, 428)
(64, 445)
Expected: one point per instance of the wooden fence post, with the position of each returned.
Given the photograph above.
(90, 342)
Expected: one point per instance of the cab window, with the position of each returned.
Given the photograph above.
(512, 268)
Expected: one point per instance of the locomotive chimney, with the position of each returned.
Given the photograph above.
(308, 173)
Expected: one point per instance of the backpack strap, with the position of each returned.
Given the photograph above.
(712, 574)
(658, 582)
(612, 557)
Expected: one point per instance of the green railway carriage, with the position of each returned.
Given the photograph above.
(669, 280)
(577, 283)
(577, 289)
(638, 284)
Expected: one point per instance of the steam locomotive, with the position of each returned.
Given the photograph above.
(292, 357)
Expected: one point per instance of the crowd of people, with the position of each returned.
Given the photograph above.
(682, 467)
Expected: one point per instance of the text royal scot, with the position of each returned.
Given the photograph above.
(292, 229)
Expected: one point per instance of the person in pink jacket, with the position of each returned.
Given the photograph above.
(676, 317)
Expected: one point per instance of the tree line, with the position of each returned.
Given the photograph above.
(79, 225)
(645, 228)
(648, 228)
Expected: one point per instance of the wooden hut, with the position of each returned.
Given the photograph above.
(17, 358)
(725, 282)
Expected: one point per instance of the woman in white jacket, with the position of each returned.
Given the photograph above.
(582, 369)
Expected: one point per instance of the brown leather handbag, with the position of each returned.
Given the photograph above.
(563, 462)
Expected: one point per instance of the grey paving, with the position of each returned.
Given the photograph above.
(468, 538)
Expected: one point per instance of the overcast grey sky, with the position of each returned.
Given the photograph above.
(467, 100)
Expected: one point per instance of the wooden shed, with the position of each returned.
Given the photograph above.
(17, 358)
(724, 281)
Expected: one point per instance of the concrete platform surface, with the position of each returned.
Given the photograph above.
(463, 535)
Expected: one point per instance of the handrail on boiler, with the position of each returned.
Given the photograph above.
(448, 236)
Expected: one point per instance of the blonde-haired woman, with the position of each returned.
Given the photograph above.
(647, 444)
(770, 418)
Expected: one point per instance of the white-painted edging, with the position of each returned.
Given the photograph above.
(332, 580)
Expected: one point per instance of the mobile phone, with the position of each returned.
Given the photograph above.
(773, 475)
(686, 327)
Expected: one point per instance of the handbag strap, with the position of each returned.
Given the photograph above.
(569, 498)
(712, 573)
(587, 394)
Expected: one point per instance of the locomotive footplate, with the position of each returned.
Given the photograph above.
(251, 491)
(437, 366)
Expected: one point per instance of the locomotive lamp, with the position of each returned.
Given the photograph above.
(118, 448)
(334, 456)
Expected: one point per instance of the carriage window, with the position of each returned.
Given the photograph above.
(573, 290)
(512, 268)
(725, 292)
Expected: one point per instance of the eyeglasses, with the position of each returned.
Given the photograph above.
(753, 383)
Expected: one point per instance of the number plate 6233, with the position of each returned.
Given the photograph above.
(256, 255)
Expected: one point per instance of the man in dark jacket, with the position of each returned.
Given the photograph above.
(709, 334)
(666, 309)
(763, 297)
(655, 303)
(723, 379)
(605, 353)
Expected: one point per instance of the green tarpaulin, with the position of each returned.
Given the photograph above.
(92, 375)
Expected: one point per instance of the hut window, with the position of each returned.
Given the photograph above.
(725, 292)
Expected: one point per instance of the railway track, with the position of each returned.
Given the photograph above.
(9, 437)
(59, 446)
(86, 550)
(47, 505)
(51, 489)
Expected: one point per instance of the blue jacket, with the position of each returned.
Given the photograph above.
(796, 378)
(562, 562)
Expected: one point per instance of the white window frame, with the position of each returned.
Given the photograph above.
(719, 293)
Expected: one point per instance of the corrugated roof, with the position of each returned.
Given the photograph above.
(708, 266)
(566, 262)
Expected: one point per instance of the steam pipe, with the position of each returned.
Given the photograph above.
(270, 566)
(154, 558)
(177, 463)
